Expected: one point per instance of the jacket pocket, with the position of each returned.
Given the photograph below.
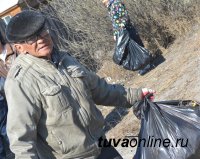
(59, 145)
(52, 90)
(57, 100)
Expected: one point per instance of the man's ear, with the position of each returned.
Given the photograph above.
(19, 48)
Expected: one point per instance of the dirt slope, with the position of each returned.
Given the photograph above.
(178, 77)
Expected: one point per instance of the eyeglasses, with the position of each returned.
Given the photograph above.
(42, 34)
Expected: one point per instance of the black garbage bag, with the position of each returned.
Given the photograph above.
(169, 130)
(130, 54)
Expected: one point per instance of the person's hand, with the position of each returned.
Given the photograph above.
(148, 92)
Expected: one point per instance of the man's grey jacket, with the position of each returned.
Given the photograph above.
(51, 107)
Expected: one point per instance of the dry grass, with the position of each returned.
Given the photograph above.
(159, 22)
(175, 79)
(89, 29)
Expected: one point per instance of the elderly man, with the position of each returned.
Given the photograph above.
(51, 98)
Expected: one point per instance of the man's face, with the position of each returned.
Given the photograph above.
(39, 45)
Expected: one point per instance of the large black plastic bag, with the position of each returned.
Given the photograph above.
(128, 53)
(169, 120)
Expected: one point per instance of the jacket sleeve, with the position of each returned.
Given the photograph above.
(22, 119)
(113, 95)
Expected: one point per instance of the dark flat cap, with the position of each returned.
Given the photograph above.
(24, 25)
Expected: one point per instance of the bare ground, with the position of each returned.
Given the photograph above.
(178, 77)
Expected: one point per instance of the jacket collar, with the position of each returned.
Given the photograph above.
(56, 58)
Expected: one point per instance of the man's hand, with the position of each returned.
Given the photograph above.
(148, 92)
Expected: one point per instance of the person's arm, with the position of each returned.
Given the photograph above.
(112, 95)
(119, 16)
(23, 116)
